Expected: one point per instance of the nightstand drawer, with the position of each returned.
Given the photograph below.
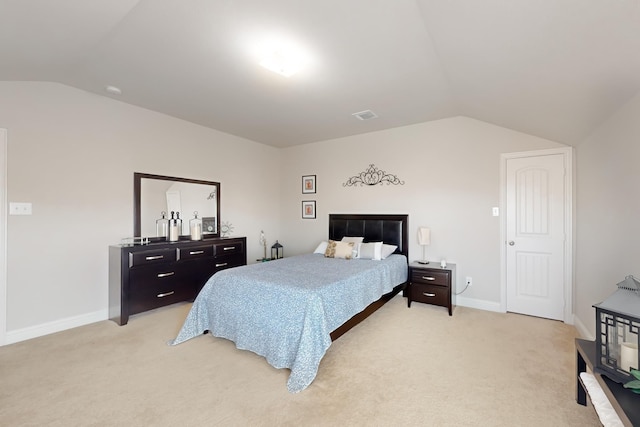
(430, 277)
(430, 294)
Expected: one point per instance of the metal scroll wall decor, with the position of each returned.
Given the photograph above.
(373, 176)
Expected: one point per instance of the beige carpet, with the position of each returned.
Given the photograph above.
(400, 367)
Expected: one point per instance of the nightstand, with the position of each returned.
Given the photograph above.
(431, 284)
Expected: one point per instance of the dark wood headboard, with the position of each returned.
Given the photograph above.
(390, 229)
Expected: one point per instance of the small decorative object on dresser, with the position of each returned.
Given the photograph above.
(431, 285)
(277, 251)
(226, 229)
(144, 277)
(209, 225)
(263, 243)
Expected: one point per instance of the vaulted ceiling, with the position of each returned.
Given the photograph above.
(550, 68)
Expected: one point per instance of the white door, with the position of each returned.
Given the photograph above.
(3, 236)
(536, 204)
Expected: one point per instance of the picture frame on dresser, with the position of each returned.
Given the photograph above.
(209, 225)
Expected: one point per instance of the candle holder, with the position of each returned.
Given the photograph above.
(617, 332)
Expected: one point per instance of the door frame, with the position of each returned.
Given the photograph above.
(3, 236)
(568, 154)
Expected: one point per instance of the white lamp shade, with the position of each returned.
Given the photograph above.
(424, 236)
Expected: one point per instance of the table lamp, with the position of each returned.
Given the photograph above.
(424, 240)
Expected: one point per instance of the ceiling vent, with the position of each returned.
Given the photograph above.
(365, 115)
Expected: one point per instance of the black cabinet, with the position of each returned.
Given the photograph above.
(144, 277)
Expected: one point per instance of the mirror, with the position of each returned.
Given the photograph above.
(154, 194)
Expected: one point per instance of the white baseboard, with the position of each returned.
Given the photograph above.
(582, 330)
(55, 326)
(478, 303)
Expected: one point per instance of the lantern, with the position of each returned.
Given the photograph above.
(277, 251)
(617, 331)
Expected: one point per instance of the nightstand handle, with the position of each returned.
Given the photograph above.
(229, 248)
(165, 294)
(428, 278)
(427, 294)
(222, 265)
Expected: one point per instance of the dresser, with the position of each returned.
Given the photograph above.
(431, 284)
(144, 277)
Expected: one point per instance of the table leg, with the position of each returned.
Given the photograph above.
(581, 366)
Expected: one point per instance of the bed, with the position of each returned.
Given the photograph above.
(290, 310)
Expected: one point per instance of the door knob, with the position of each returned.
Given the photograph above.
(511, 243)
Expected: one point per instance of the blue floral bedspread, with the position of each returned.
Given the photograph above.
(284, 310)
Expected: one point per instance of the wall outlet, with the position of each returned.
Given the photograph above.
(469, 281)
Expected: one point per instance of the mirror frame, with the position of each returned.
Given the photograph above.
(137, 196)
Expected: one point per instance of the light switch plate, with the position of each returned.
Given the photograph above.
(16, 208)
(496, 211)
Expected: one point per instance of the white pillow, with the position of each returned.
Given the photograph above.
(355, 240)
(321, 248)
(339, 250)
(388, 250)
(371, 250)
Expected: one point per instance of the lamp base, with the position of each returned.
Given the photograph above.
(423, 262)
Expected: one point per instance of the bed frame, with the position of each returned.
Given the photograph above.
(390, 229)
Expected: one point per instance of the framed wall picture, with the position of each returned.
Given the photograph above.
(309, 209)
(308, 184)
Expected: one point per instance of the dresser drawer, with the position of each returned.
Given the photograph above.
(430, 277)
(152, 275)
(430, 294)
(155, 256)
(230, 248)
(159, 285)
(151, 298)
(228, 261)
(196, 252)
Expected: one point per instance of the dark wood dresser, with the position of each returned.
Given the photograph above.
(144, 277)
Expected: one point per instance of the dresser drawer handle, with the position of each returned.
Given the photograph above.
(196, 252)
(428, 278)
(229, 248)
(151, 258)
(427, 294)
(165, 294)
(222, 265)
(171, 273)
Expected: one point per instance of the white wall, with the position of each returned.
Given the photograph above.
(608, 211)
(451, 170)
(73, 154)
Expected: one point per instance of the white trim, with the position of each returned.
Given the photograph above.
(583, 331)
(3, 236)
(479, 304)
(567, 153)
(56, 326)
